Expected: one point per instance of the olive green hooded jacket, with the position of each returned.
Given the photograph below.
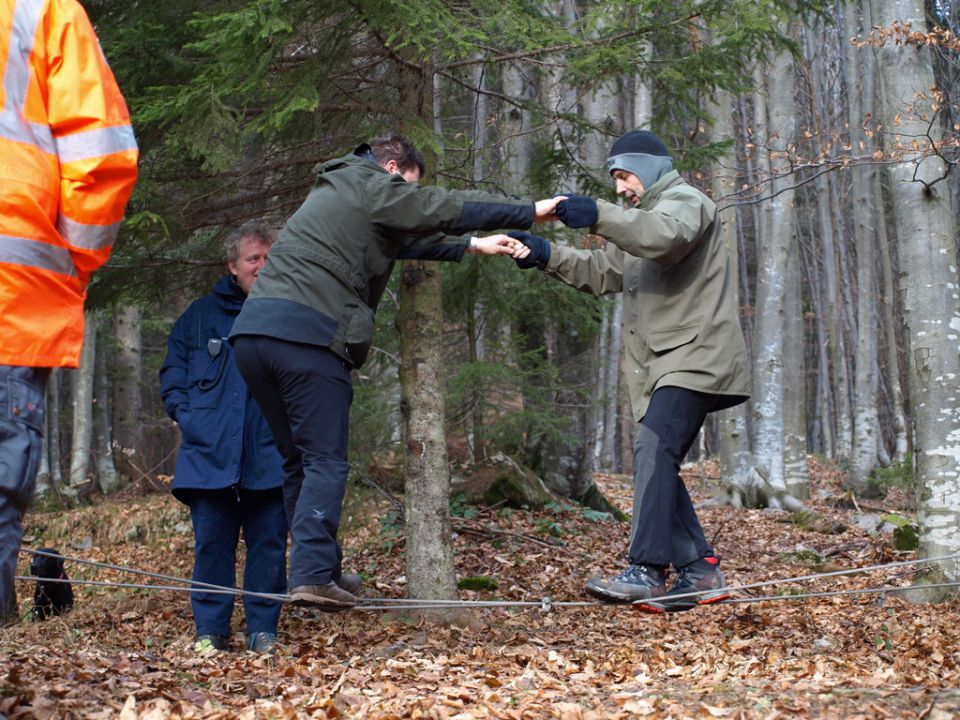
(680, 323)
(331, 263)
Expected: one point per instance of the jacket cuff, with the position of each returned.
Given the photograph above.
(493, 216)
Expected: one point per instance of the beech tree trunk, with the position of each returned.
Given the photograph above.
(82, 401)
(776, 236)
(925, 223)
(867, 212)
(127, 395)
(734, 446)
(52, 438)
(108, 479)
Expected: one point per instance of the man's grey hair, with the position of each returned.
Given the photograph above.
(256, 229)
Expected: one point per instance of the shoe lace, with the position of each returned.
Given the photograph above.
(637, 574)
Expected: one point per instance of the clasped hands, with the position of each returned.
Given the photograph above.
(574, 211)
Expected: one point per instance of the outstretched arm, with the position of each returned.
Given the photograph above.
(546, 210)
(498, 245)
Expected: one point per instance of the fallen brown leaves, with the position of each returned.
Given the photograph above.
(128, 653)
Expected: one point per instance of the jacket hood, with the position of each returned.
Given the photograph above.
(229, 295)
(360, 156)
(652, 194)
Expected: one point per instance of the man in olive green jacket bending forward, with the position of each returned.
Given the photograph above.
(685, 354)
(309, 321)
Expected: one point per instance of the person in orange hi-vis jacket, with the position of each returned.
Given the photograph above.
(68, 163)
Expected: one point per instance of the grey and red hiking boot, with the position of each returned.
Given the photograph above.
(637, 582)
(698, 583)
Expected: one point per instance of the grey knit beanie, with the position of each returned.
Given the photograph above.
(640, 152)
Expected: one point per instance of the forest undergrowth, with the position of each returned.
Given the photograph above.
(128, 653)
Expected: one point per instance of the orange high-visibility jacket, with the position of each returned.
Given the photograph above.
(68, 163)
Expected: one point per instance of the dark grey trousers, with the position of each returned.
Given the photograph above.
(665, 529)
(305, 392)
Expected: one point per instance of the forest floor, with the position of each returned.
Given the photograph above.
(128, 654)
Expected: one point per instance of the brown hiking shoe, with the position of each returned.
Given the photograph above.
(350, 582)
(329, 597)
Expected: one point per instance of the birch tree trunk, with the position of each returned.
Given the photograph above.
(82, 400)
(925, 224)
(429, 553)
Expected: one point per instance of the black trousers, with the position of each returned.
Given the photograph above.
(305, 393)
(665, 529)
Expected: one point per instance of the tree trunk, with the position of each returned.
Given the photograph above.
(859, 81)
(82, 401)
(795, 473)
(567, 463)
(429, 552)
(127, 395)
(734, 446)
(42, 486)
(52, 439)
(895, 360)
(601, 108)
(108, 479)
(925, 224)
(776, 233)
(475, 418)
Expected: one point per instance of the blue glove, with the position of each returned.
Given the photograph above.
(577, 211)
(539, 250)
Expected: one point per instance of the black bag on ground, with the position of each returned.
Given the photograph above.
(50, 598)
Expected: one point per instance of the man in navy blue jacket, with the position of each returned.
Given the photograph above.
(228, 468)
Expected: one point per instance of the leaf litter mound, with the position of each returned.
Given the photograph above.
(128, 653)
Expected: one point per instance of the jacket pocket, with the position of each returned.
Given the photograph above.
(207, 370)
(21, 429)
(661, 341)
(359, 334)
(24, 404)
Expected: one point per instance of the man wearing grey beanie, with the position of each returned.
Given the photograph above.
(685, 355)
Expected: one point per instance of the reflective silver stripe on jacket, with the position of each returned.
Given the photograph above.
(95, 143)
(87, 237)
(13, 126)
(31, 253)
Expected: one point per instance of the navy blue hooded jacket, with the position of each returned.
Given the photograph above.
(225, 440)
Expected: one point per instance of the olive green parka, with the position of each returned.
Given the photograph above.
(680, 324)
(332, 260)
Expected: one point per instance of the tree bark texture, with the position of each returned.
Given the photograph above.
(82, 401)
(429, 555)
(928, 275)
(127, 393)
